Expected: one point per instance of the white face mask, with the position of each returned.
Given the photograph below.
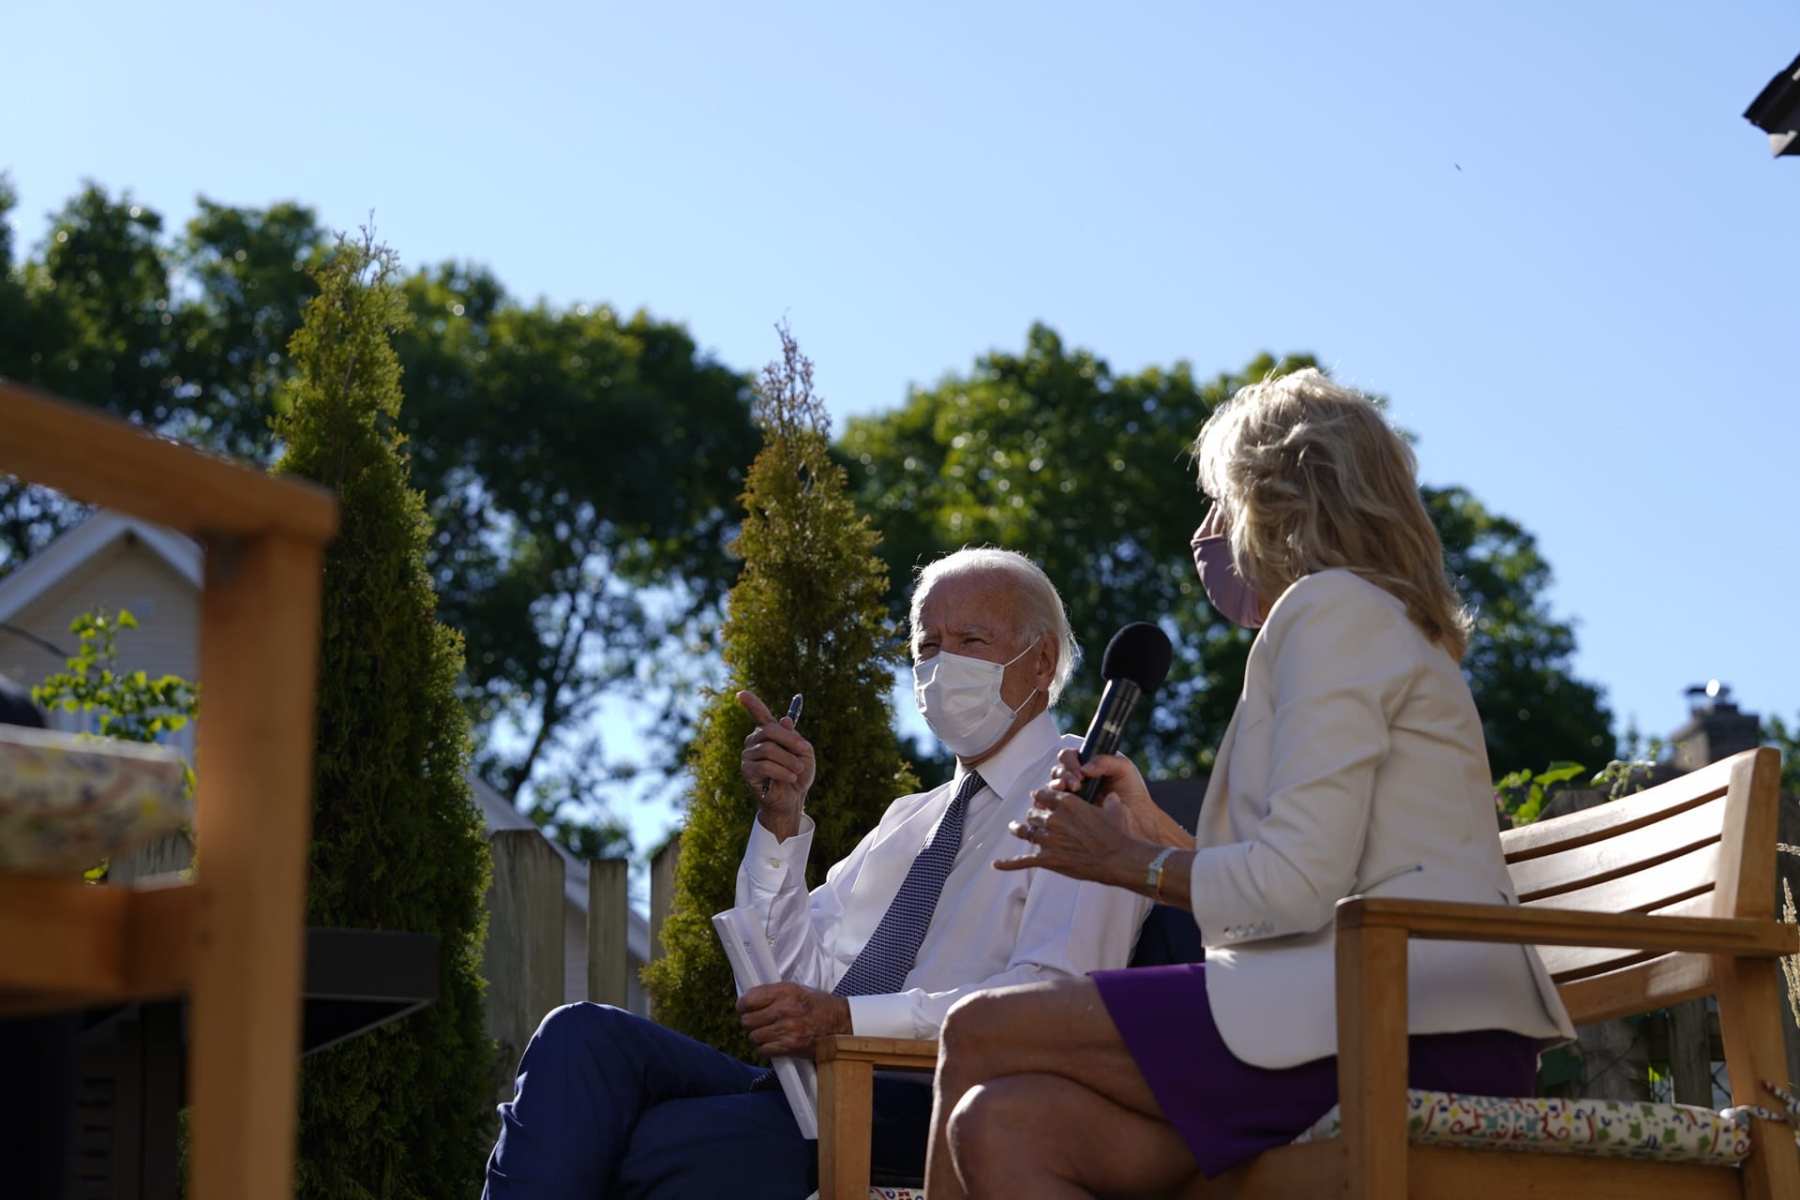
(959, 697)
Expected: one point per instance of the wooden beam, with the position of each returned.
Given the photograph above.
(846, 1127)
(663, 866)
(99, 459)
(1372, 1059)
(259, 648)
(1542, 926)
(61, 935)
(899, 1054)
(608, 956)
(523, 960)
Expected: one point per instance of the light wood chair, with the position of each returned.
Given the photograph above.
(1636, 904)
(231, 939)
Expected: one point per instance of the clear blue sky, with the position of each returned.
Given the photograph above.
(1542, 228)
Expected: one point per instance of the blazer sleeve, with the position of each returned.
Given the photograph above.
(1343, 656)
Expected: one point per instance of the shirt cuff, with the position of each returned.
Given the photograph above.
(887, 1015)
(768, 861)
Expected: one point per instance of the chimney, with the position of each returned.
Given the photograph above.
(1714, 729)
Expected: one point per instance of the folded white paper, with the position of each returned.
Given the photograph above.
(747, 949)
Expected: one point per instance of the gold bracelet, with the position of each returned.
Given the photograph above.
(1154, 873)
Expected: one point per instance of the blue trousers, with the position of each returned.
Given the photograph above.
(611, 1105)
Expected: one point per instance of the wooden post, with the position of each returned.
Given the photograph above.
(1616, 1055)
(259, 653)
(662, 890)
(846, 1113)
(609, 957)
(1372, 1056)
(523, 962)
(1750, 1017)
(1690, 1053)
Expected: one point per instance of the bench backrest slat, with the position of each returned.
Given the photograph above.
(1699, 845)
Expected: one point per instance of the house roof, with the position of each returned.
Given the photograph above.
(79, 546)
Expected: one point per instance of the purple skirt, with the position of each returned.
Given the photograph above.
(1228, 1111)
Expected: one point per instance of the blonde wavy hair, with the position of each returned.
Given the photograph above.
(1310, 477)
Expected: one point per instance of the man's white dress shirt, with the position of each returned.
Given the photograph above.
(990, 928)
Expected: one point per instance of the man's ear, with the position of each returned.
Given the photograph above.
(1047, 651)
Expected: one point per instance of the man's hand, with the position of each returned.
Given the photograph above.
(778, 757)
(788, 1018)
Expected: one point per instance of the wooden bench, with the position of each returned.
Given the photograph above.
(1635, 905)
(231, 940)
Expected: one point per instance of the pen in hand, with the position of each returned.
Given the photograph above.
(793, 715)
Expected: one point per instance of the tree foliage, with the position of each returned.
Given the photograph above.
(1052, 453)
(580, 466)
(806, 615)
(400, 1112)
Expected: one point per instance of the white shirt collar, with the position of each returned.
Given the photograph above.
(1005, 773)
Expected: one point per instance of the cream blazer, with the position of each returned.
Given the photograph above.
(1354, 764)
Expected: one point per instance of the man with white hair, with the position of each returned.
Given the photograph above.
(911, 921)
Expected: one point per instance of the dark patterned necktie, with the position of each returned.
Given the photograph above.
(888, 957)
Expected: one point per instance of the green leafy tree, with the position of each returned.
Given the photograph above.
(1533, 708)
(401, 1112)
(806, 615)
(1051, 453)
(126, 704)
(582, 468)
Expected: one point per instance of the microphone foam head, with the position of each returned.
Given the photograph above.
(1139, 652)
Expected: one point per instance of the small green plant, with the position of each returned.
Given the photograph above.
(1621, 777)
(128, 704)
(1520, 795)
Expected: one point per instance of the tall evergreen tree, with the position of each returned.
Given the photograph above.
(807, 615)
(400, 1112)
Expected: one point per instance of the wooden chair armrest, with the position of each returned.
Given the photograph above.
(1446, 921)
(904, 1054)
(847, 1066)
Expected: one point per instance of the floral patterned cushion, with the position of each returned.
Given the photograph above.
(1604, 1128)
(896, 1193)
(68, 801)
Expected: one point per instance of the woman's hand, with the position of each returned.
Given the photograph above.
(1081, 840)
(1120, 778)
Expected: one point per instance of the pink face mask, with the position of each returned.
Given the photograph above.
(1234, 598)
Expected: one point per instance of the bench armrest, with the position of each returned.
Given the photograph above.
(1446, 921)
(847, 1066)
(902, 1054)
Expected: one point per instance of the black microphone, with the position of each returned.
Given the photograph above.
(1134, 665)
